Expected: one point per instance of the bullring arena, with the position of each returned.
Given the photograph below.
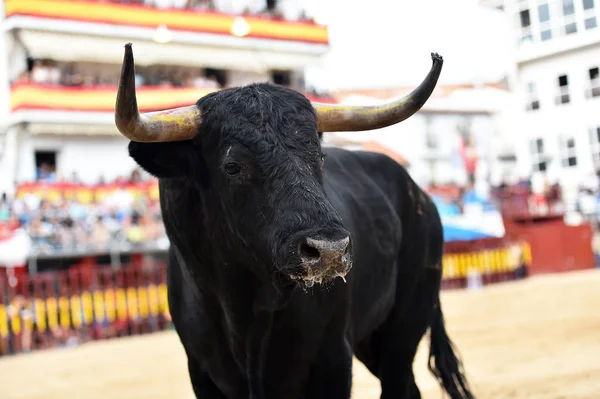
(537, 338)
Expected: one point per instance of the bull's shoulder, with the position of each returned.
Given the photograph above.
(374, 166)
(365, 168)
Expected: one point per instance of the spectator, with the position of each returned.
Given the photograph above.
(67, 224)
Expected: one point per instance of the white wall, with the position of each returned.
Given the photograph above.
(16, 56)
(90, 156)
(8, 160)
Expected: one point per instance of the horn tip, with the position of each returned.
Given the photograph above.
(128, 57)
(437, 57)
(128, 50)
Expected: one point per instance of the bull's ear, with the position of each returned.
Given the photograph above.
(166, 160)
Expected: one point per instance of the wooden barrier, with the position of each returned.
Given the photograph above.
(90, 302)
(503, 262)
(79, 305)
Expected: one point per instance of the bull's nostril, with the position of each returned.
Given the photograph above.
(309, 252)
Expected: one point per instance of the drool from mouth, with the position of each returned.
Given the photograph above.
(310, 278)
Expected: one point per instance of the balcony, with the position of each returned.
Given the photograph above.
(90, 30)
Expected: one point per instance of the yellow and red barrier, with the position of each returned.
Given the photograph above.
(98, 302)
(85, 193)
(26, 95)
(501, 263)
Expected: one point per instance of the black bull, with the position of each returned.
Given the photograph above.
(264, 224)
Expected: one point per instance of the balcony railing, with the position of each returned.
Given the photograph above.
(264, 25)
(34, 96)
(230, 7)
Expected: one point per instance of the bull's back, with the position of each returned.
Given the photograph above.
(366, 188)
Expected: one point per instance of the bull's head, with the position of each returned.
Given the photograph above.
(254, 157)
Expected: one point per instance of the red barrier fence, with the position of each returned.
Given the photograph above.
(91, 302)
(69, 307)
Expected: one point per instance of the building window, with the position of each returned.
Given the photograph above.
(589, 15)
(533, 101)
(545, 27)
(563, 90)
(538, 156)
(594, 83)
(568, 154)
(595, 145)
(569, 16)
(525, 21)
(568, 7)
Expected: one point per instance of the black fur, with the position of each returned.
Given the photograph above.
(248, 328)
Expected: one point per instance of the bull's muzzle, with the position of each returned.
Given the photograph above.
(324, 259)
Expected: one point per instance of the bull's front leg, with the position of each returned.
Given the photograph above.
(202, 384)
(331, 373)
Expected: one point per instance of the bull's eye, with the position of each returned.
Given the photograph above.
(232, 168)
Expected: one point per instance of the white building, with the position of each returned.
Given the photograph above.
(70, 126)
(556, 77)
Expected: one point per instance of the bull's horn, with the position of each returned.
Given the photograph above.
(169, 125)
(338, 118)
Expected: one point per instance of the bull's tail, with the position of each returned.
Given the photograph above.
(444, 363)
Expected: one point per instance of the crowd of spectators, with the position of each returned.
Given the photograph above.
(263, 9)
(548, 199)
(66, 225)
(522, 199)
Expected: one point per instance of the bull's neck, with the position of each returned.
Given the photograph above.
(249, 305)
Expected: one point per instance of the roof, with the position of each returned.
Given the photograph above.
(440, 90)
(485, 98)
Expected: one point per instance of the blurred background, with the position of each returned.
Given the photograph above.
(508, 146)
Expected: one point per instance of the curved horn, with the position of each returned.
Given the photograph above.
(339, 118)
(153, 127)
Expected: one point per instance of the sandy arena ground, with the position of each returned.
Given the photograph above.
(534, 339)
